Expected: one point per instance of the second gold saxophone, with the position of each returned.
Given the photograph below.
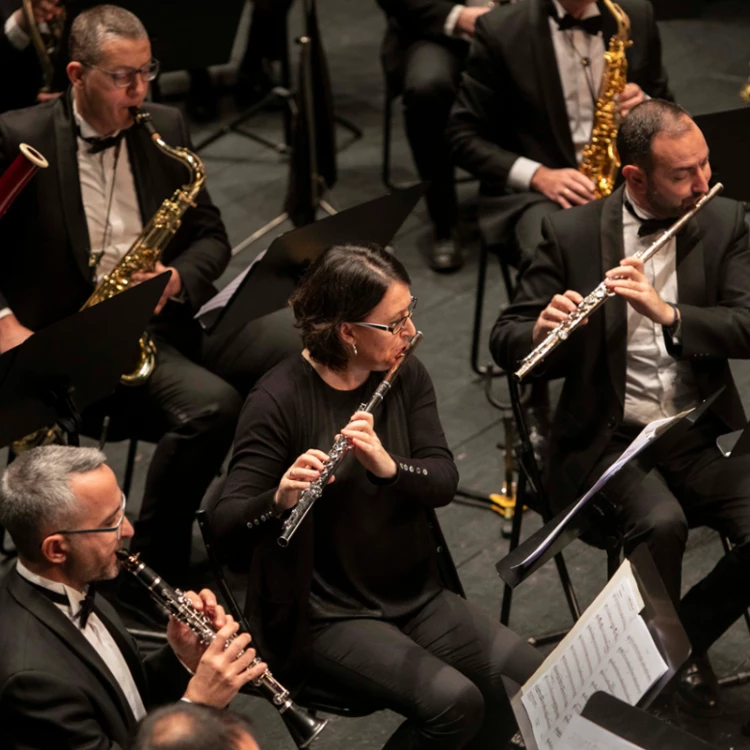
(600, 160)
(150, 244)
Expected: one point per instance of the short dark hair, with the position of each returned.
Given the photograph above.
(642, 123)
(191, 726)
(342, 286)
(93, 28)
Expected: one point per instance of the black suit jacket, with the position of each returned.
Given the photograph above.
(45, 248)
(580, 245)
(55, 690)
(510, 102)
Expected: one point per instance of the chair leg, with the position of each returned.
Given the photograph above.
(510, 289)
(476, 333)
(515, 538)
(567, 587)
(129, 467)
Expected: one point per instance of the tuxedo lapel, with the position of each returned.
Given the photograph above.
(140, 151)
(49, 615)
(70, 184)
(615, 317)
(691, 270)
(548, 75)
(609, 25)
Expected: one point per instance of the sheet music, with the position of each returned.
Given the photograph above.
(223, 297)
(609, 649)
(583, 734)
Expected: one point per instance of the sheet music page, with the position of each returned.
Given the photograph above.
(583, 734)
(221, 299)
(608, 649)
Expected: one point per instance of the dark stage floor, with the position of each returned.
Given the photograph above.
(707, 60)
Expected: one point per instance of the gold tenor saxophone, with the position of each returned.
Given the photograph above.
(46, 45)
(600, 160)
(339, 451)
(303, 727)
(148, 247)
(602, 293)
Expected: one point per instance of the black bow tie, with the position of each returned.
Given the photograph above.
(87, 605)
(649, 226)
(97, 145)
(591, 25)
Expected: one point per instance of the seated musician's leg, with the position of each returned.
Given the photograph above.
(430, 84)
(441, 670)
(247, 355)
(198, 412)
(527, 231)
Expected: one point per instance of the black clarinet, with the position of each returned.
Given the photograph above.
(303, 727)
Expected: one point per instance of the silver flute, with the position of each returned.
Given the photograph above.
(303, 727)
(340, 448)
(602, 293)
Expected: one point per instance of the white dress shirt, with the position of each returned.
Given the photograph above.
(449, 27)
(17, 37)
(96, 634)
(99, 183)
(656, 384)
(106, 177)
(580, 85)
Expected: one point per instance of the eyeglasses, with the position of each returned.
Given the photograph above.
(124, 79)
(117, 528)
(396, 327)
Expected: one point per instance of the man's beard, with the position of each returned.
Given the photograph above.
(662, 208)
(89, 572)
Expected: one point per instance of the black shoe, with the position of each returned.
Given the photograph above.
(444, 255)
(698, 688)
(134, 603)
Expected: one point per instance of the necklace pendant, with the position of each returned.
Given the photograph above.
(585, 61)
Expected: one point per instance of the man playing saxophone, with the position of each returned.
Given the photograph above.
(661, 344)
(106, 181)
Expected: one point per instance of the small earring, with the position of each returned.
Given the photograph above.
(354, 349)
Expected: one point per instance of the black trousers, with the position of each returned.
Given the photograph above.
(440, 668)
(683, 483)
(190, 412)
(431, 77)
(527, 232)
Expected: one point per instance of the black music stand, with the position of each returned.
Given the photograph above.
(572, 522)
(637, 726)
(663, 624)
(729, 164)
(267, 284)
(78, 360)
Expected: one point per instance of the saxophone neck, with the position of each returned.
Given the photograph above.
(190, 159)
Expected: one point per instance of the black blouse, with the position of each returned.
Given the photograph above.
(374, 551)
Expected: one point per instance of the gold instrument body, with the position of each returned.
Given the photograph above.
(600, 160)
(149, 245)
(745, 92)
(46, 45)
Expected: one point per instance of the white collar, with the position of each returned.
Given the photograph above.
(75, 598)
(640, 212)
(85, 130)
(592, 10)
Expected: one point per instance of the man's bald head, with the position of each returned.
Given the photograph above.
(190, 726)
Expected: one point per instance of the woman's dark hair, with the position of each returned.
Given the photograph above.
(342, 286)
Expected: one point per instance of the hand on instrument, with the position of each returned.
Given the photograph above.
(173, 288)
(221, 672)
(12, 333)
(629, 281)
(366, 446)
(467, 19)
(297, 477)
(184, 642)
(45, 96)
(555, 313)
(568, 187)
(631, 95)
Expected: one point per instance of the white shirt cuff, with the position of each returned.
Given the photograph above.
(449, 27)
(5, 312)
(15, 34)
(523, 169)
